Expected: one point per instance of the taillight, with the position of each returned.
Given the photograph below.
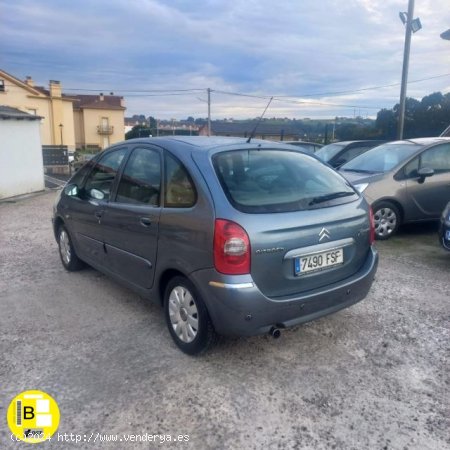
(372, 226)
(231, 248)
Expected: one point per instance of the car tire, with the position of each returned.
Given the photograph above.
(67, 253)
(387, 219)
(187, 317)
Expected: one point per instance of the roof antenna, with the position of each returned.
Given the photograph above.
(252, 134)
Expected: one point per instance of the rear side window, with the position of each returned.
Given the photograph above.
(264, 181)
(179, 189)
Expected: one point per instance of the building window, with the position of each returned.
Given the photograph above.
(2, 86)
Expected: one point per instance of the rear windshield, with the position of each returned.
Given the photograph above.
(382, 158)
(262, 181)
(329, 151)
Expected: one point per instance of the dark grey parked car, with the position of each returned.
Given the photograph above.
(339, 153)
(233, 238)
(444, 228)
(404, 181)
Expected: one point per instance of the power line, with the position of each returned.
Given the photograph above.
(284, 100)
(135, 90)
(159, 95)
(365, 89)
(318, 94)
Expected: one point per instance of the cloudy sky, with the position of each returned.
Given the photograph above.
(316, 57)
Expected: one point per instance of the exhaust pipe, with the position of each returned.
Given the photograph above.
(275, 332)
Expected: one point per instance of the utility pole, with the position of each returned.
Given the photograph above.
(209, 111)
(408, 31)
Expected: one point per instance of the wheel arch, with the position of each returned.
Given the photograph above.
(164, 280)
(58, 221)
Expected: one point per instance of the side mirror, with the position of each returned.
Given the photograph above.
(423, 173)
(95, 193)
(71, 190)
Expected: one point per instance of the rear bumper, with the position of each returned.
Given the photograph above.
(237, 306)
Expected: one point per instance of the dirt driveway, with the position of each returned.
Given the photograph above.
(374, 376)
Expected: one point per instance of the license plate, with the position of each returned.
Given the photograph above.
(447, 235)
(318, 261)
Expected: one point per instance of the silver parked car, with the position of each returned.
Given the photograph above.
(404, 181)
(232, 237)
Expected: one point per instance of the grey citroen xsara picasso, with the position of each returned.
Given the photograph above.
(232, 237)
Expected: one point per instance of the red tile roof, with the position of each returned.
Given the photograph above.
(95, 102)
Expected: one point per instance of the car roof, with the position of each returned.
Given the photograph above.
(300, 142)
(202, 143)
(422, 141)
(363, 141)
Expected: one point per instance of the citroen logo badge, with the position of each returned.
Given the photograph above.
(324, 233)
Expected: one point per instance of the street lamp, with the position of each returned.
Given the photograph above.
(61, 126)
(411, 26)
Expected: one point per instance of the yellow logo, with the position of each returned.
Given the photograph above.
(33, 416)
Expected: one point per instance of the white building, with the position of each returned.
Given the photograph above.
(21, 165)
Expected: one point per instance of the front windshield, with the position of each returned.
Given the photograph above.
(328, 152)
(382, 158)
(270, 181)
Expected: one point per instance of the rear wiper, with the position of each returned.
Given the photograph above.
(325, 198)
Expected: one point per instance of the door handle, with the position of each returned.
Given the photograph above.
(99, 214)
(145, 221)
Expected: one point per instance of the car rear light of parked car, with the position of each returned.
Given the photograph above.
(231, 248)
(372, 226)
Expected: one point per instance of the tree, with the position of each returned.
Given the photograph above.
(386, 124)
(353, 131)
(434, 114)
(153, 126)
(138, 131)
(429, 117)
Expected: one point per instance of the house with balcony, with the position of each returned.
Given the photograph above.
(99, 120)
(75, 121)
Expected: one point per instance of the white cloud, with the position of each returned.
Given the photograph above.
(265, 47)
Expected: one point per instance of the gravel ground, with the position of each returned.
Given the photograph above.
(374, 376)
